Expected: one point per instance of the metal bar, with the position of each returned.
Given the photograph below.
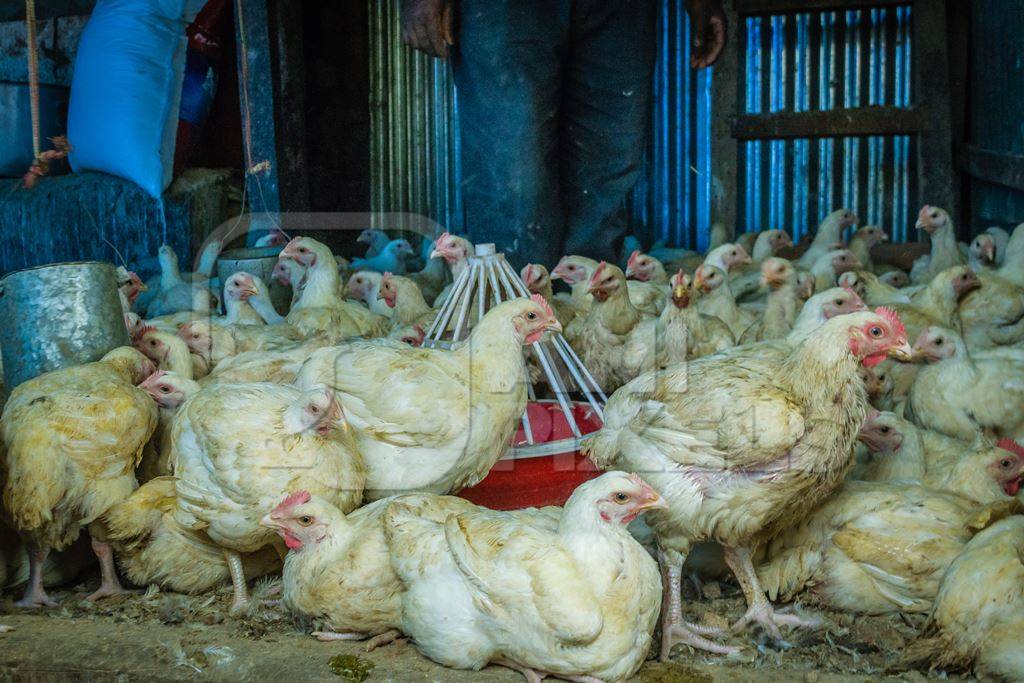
(464, 306)
(831, 123)
(443, 318)
(727, 86)
(752, 7)
(291, 96)
(578, 379)
(583, 368)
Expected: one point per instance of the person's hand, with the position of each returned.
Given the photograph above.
(710, 31)
(427, 26)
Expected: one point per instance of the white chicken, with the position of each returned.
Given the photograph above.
(72, 439)
(482, 587)
(430, 419)
(237, 447)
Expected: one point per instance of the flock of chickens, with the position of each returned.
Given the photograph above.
(824, 427)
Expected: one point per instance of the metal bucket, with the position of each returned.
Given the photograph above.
(56, 316)
(258, 262)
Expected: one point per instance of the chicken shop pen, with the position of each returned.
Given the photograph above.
(457, 340)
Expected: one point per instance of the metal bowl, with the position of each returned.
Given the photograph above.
(258, 262)
(57, 316)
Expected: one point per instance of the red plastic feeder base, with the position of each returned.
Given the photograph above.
(522, 479)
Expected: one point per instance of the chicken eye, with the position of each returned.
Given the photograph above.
(885, 430)
(531, 316)
(305, 520)
(621, 497)
(839, 302)
(314, 409)
(152, 342)
(303, 250)
(164, 389)
(1005, 463)
(938, 342)
(935, 214)
(875, 331)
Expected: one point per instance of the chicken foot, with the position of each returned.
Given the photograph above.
(240, 602)
(759, 610)
(675, 629)
(35, 594)
(109, 583)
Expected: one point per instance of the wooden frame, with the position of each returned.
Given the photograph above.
(930, 119)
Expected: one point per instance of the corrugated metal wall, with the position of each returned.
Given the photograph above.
(414, 157)
(672, 201)
(822, 61)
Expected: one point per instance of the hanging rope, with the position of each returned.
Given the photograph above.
(33, 72)
(41, 160)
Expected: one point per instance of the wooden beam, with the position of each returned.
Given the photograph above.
(726, 87)
(937, 182)
(750, 7)
(290, 103)
(831, 123)
(998, 168)
(256, 95)
(14, 10)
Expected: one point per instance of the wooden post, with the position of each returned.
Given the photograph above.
(937, 184)
(291, 104)
(256, 96)
(726, 86)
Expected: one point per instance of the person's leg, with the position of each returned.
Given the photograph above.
(507, 63)
(606, 113)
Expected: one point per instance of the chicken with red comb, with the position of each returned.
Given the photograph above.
(430, 419)
(742, 451)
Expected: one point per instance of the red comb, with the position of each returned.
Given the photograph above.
(893, 319)
(419, 330)
(633, 257)
(678, 278)
(441, 237)
(386, 276)
(600, 269)
(142, 331)
(1012, 446)
(293, 499)
(543, 303)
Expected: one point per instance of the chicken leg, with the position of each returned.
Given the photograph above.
(35, 594)
(675, 629)
(758, 608)
(241, 594)
(109, 583)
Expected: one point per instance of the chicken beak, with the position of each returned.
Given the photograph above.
(653, 502)
(679, 292)
(553, 326)
(269, 522)
(904, 352)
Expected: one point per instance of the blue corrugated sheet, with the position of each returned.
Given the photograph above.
(823, 61)
(672, 200)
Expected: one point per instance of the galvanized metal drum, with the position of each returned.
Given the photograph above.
(56, 316)
(259, 262)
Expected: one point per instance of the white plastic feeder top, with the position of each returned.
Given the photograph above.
(488, 281)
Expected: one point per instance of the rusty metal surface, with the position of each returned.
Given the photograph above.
(56, 316)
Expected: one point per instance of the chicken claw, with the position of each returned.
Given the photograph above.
(35, 594)
(382, 639)
(109, 584)
(331, 636)
(759, 610)
(674, 629)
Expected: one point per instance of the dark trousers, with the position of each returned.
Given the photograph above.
(554, 104)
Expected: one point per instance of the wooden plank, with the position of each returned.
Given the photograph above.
(936, 178)
(750, 7)
(256, 95)
(14, 10)
(998, 168)
(726, 87)
(831, 123)
(290, 104)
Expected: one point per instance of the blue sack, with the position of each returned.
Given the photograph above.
(126, 90)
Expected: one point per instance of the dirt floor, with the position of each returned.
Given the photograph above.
(165, 636)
